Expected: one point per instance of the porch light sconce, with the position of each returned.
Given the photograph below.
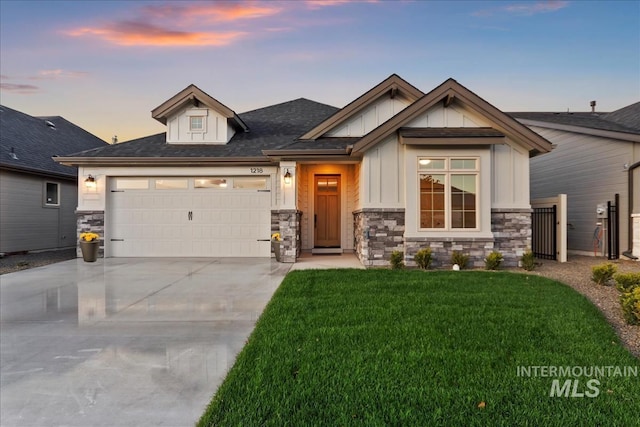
(90, 182)
(287, 177)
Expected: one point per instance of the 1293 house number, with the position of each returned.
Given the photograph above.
(256, 170)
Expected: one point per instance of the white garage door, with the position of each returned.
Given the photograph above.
(189, 217)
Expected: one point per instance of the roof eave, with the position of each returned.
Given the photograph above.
(161, 161)
(624, 136)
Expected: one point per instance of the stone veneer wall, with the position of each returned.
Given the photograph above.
(92, 221)
(287, 223)
(512, 231)
(378, 232)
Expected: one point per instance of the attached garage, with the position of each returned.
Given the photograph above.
(189, 217)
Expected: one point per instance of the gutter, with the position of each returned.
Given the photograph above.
(163, 161)
(629, 252)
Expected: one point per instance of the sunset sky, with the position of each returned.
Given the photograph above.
(104, 65)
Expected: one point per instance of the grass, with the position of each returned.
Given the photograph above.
(379, 347)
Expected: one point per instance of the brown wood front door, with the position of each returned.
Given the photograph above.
(327, 211)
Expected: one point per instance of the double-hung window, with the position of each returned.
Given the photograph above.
(448, 193)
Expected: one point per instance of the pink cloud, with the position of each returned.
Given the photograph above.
(133, 33)
(317, 4)
(217, 11)
(538, 7)
(58, 73)
(21, 89)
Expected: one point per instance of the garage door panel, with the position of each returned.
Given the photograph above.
(223, 222)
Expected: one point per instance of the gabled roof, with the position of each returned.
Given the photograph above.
(445, 93)
(272, 127)
(393, 84)
(34, 140)
(194, 96)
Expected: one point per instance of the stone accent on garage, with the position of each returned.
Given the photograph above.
(90, 221)
(378, 232)
(512, 231)
(287, 223)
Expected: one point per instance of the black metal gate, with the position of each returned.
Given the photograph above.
(613, 228)
(543, 229)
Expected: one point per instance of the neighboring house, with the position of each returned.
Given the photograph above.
(38, 196)
(596, 156)
(396, 169)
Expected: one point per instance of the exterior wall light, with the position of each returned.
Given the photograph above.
(90, 182)
(287, 178)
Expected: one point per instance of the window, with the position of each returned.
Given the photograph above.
(250, 183)
(448, 193)
(51, 194)
(196, 123)
(132, 184)
(210, 183)
(172, 184)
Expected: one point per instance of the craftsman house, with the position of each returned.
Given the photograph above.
(395, 169)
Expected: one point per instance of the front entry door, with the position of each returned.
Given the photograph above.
(327, 211)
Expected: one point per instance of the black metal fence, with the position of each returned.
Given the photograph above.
(613, 228)
(543, 229)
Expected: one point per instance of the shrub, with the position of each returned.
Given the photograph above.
(460, 259)
(423, 258)
(626, 282)
(397, 260)
(493, 260)
(630, 302)
(528, 261)
(601, 274)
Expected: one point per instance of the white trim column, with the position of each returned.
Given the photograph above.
(288, 199)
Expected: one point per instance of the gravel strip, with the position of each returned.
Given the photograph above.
(575, 273)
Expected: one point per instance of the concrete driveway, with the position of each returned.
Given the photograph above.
(125, 342)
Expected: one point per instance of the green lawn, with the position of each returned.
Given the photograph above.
(381, 347)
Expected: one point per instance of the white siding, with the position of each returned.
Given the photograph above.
(217, 130)
(371, 117)
(452, 116)
(510, 177)
(383, 175)
(590, 170)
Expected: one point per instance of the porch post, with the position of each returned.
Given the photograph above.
(288, 216)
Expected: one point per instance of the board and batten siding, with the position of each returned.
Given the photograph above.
(26, 224)
(382, 175)
(590, 170)
(371, 117)
(216, 128)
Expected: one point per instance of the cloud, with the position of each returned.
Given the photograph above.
(317, 4)
(216, 12)
(58, 73)
(134, 33)
(526, 9)
(538, 7)
(21, 89)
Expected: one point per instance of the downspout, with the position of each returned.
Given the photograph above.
(629, 252)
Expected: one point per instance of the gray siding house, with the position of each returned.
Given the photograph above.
(595, 157)
(38, 196)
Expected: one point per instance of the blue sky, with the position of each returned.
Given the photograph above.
(104, 65)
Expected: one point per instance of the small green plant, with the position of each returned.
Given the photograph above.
(630, 302)
(397, 260)
(460, 259)
(423, 258)
(528, 261)
(493, 260)
(626, 282)
(603, 273)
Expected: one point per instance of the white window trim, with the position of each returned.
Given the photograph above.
(46, 204)
(411, 196)
(202, 113)
(448, 171)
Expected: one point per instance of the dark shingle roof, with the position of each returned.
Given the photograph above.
(625, 120)
(269, 128)
(34, 140)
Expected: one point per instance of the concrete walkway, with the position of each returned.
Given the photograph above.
(125, 342)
